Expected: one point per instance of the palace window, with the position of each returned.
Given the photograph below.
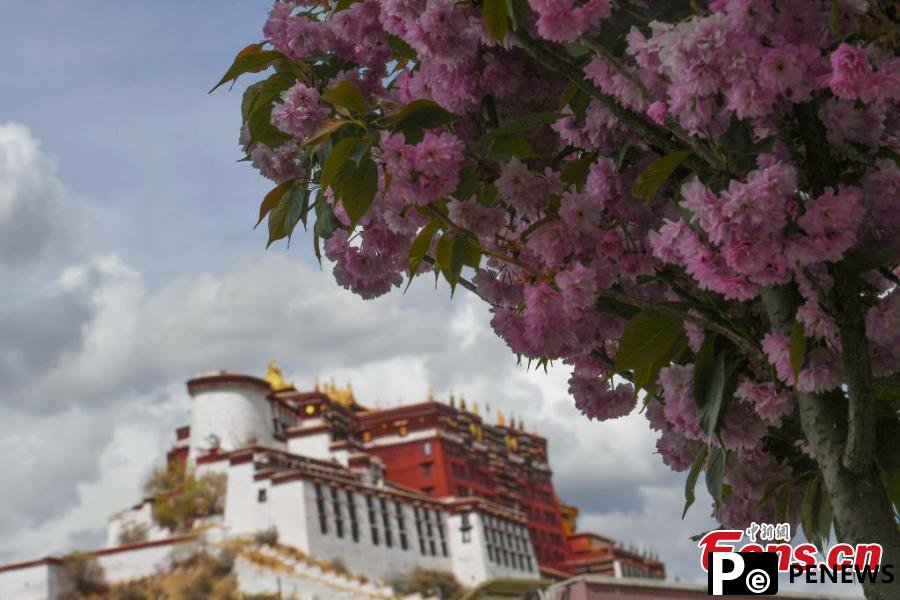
(426, 469)
(386, 519)
(430, 531)
(418, 516)
(320, 507)
(261, 495)
(440, 528)
(338, 517)
(426, 448)
(401, 526)
(372, 522)
(466, 528)
(354, 523)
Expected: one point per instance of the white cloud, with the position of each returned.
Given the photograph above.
(35, 215)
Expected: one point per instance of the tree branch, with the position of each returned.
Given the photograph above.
(641, 125)
(753, 353)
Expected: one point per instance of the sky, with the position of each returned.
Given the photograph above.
(128, 263)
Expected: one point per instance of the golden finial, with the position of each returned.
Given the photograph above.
(452, 401)
(275, 378)
(475, 408)
(431, 395)
(462, 404)
(512, 421)
(522, 425)
(501, 420)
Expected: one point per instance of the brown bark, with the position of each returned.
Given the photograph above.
(863, 511)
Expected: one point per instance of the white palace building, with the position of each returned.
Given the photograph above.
(379, 489)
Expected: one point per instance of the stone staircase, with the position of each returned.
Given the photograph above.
(291, 577)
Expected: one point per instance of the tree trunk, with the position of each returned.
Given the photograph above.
(863, 512)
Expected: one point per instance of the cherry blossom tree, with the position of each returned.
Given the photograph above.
(693, 204)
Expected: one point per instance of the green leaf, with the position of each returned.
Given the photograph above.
(691, 482)
(358, 191)
(487, 195)
(421, 114)
(297, 208)
(336, 161)
(887, 456)
(403, 52)
(576, 171)
(420, 246)
(324, 130)
(645, 377)
(326, 222)
(703, 368)
(715, 472)
(495, 18)
(647, 184)
(272, 198)
(809, 517)
(259, 122)
(798, 348)
(711, 409)
(277, 219)
(836, 17)
(521, 125)
(471, 254)
(468, 184)
(512, 145)
(782, 504)
(251, 59)
(450, 254)
(518, 11)
(647, 338)
(347, 95)
(826, 514)
(343, 5)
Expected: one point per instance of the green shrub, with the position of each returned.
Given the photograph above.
(85, 574)
(133, 532)
(267, 537)
(428, 582)
(180, 497)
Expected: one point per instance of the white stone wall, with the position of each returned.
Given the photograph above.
(377, 561)
(316, 445)
(236, 416)
(37, 582)
(242, 515)
(139, 562)
(142, 516)
(468, 549)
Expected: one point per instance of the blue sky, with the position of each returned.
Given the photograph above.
(131, 264)
(116, 93)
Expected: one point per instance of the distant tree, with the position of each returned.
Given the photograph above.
(86, 575)
(133, 532)
(267, 537)
(180, 497)
(428, 582)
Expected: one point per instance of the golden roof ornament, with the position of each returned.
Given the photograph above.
(462, 404)
(475, 408)
(275, 378)
(501, 420)
(343, 396)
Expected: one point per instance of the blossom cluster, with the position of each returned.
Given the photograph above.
(559, 250)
